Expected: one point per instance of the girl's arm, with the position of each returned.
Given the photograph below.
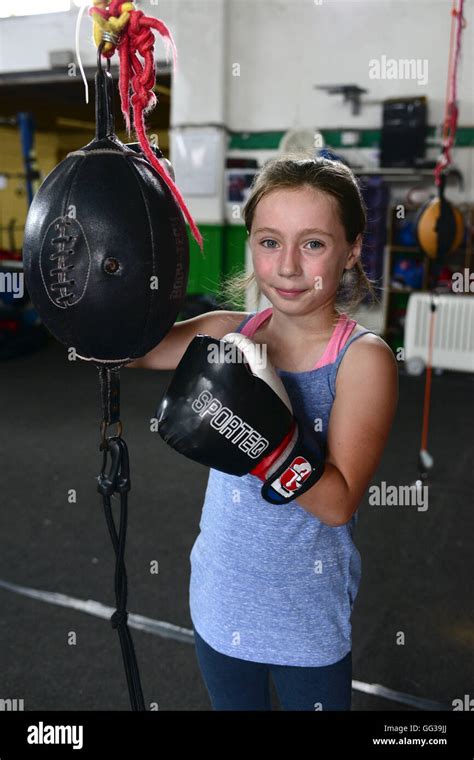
(169, 352)
(360, 422)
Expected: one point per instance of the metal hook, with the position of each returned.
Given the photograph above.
(104, 425)
(99, 52)
(117, 480)
(103, 98)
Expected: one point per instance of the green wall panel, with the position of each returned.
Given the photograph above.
(234, 248)
(368, 138)
(223, 254)
(205, 268)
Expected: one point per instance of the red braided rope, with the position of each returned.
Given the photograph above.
(451, 109)
(139, 79)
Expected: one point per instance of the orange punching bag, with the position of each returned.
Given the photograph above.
(439, 225)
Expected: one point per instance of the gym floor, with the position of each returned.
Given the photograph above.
(417, 568)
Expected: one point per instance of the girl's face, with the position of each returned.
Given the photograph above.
(299, 248)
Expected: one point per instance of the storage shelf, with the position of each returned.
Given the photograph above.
(394, 313)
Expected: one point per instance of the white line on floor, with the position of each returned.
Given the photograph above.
(176, 632)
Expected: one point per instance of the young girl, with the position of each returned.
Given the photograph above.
(272, 588)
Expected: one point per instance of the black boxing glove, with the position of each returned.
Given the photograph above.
(227, 409)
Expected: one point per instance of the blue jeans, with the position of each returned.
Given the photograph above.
(235, 684)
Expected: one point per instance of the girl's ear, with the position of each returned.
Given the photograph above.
(354, 253)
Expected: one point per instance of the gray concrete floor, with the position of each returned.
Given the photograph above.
(417, 567)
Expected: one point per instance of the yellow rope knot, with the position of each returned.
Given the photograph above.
(113, 25)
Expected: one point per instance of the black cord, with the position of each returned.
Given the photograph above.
(120, 616)
(117, 480)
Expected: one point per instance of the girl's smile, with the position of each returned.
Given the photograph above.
(290, 293)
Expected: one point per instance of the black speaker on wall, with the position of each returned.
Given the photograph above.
(404, 130)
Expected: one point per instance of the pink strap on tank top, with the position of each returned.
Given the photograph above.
(338, 339)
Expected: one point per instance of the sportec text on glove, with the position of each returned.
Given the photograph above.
(225, 410)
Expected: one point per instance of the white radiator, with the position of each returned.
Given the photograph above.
(453, 343)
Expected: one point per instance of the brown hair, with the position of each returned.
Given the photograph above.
(332, 177)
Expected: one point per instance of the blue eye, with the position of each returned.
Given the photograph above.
(270, 240)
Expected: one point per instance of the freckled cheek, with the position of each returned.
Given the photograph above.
(325, 269)
(264, 266)
(319, 272)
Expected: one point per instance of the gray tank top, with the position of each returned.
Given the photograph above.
(270, 583)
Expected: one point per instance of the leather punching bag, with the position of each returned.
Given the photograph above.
(439, 226)
(106, 252)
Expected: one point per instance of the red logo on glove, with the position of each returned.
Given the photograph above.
(298, 471)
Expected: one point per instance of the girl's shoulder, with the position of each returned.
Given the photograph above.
(220, 322)
(368, 338)
(369, 347)
(368, 371)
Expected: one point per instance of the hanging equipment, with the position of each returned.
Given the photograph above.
(439, 224)
(106, 257)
